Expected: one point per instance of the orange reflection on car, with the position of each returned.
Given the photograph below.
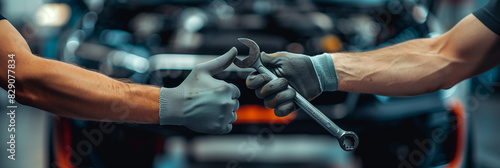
(257, 114)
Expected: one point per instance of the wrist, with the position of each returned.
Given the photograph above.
(325, 71)
(170, 106)
(141, 100)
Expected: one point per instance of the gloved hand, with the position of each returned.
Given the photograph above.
(200, 102)
(310, 76)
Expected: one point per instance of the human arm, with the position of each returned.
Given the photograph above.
(423, 65)
(67, 90)
(410, 68)
(70, 91)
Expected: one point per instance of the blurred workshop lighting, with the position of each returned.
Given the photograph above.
(89, 20)
(115, 37)
(193, 23)
(276, 148)
(321, 20)
(95, 5)
(194, 19)
(345, 26)
(145, 24)
(295, 48)
(53, 14)
(420, 13)
(72, 45)
(366, 26)
(331, 43)
(366, 31)
(129, 61)
(222, 10)
(395, 7)
(262, 7)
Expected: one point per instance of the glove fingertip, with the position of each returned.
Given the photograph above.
(280, 113)
(269, 102)
(250, 82)
(257, 81)
(284, 109)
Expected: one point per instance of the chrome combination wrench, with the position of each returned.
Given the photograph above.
(348, 140)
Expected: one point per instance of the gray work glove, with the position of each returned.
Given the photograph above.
(310, 76)
(200, 102)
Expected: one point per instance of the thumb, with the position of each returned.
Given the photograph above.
(220, 63)
(270, 59)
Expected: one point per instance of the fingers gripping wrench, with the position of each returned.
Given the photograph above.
(348, 140)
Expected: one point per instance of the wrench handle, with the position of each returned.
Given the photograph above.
(305, 105)
(348, 140)
(318, 116)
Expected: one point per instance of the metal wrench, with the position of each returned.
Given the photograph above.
(348, 140)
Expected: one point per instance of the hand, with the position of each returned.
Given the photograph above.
(309, 76)
(200, 102)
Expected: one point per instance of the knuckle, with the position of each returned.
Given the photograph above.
(280, 84)
(222, 128)
(235, 117)
(270, 102)
(230, 103)
(253, 84)
(255, 81)
(267, 105)
(249, 84)
(236, 105)
(258, 93)
(278, 112)
(236, 91)
(271, 88)
(285, 108)
(282, 81)
(287, 94)
(227, 129)
(265, 78)
(216, 128)
(219, 127)
(227, 106)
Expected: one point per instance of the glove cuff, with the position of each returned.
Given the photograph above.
(325, 70)
(170, 112)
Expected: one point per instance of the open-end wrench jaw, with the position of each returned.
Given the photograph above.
(253, 54)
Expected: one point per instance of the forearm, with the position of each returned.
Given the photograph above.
(423, 65)
(67, 90)
(409, 68)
